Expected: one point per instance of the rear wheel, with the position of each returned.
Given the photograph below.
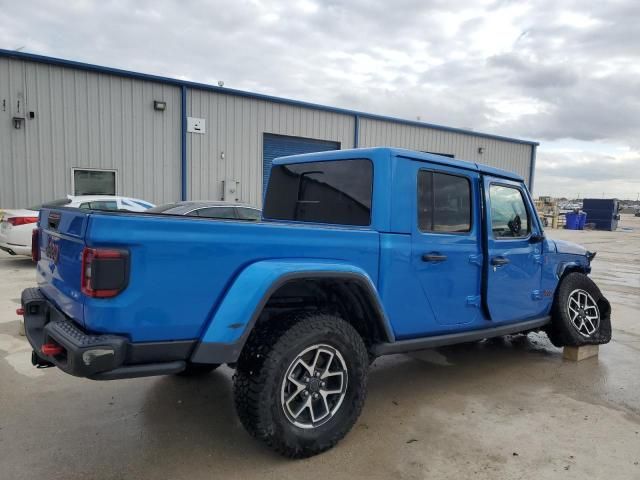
(580, 313)
(300, 383)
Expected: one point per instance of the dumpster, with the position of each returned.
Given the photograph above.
(603, 212)
(582, 219)
(573, 221)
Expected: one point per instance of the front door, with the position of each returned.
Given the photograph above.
(445, 251)
(514, 268)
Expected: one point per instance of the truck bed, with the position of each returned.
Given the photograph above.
(179, 266)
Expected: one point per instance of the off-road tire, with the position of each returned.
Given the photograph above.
(261, 369)
(197, 369)
(561, 331)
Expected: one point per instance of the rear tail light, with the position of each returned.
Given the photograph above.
(15, 221)
(51, 349)
(105, 272)
(35, 245)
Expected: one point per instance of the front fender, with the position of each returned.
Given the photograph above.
(232, 322)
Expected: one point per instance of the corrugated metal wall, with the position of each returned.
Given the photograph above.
(235, 126)
(515, 157)
(93, 119)
(85, 119)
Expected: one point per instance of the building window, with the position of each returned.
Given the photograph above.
(444, 203)
(94, 182)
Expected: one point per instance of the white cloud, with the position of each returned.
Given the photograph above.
(551, 71)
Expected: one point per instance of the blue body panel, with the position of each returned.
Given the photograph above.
(195, 278)
(182, 267)
(254, 283)
(58, 270)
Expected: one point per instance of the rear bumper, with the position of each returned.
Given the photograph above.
(95, 356)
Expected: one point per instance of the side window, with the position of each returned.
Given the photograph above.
(444, 203)
(335, 192)
(103, 205)
(509, 216)
(217, 212)
(248, 214)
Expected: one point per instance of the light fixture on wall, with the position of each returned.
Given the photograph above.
(17, 122)
(159, 105)
(480, 150)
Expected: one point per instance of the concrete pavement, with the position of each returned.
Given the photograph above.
(501, 409)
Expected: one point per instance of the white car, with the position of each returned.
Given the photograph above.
(16, 226)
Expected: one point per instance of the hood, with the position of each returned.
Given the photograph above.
(562, 246)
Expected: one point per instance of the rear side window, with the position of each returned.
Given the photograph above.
(444, 203)
(509, 217)
(335, 192)
(215, 212)
(100, 205)
(248, 214)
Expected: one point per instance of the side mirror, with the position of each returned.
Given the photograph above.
(536, 238)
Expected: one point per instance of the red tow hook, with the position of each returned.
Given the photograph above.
(51, 349)
(20, 311)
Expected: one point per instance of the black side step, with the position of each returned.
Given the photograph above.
(143, 370)
(404, 346)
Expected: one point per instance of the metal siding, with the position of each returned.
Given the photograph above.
(515, 157)
(101, 119)
(90, 120)
(235, 126)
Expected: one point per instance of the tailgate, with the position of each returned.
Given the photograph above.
(62, 233)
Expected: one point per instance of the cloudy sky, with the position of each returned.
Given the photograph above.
(563, 72)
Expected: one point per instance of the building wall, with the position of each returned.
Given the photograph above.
(515, 157)
(235, 127)
(85, 119)
(91, 117)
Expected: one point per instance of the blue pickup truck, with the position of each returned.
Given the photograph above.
(360, 253)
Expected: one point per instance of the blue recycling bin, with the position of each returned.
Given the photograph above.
(582, 219)
(573, 221)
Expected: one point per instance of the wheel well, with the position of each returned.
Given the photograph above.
(566, 270)
(350, 299)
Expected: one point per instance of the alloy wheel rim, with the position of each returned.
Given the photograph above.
(314, 386)
(583, 312)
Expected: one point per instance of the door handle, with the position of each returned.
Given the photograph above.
(499, 261)
(433, 257)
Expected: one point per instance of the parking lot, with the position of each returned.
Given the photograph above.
(505, 408)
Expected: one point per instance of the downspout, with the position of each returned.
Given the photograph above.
(356, 130)
(183, 143)
(532, 167)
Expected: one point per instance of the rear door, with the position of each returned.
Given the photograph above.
(62, 233)
(445, 251)
(514, 268)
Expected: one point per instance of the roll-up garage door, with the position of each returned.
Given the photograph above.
(275, 146)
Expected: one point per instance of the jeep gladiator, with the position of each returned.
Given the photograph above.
(360, 253)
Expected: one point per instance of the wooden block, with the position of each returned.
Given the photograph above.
(576, 354)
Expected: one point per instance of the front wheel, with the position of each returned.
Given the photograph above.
(300, 383)
(580, 313)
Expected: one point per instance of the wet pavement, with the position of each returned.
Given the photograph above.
(501, 409)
